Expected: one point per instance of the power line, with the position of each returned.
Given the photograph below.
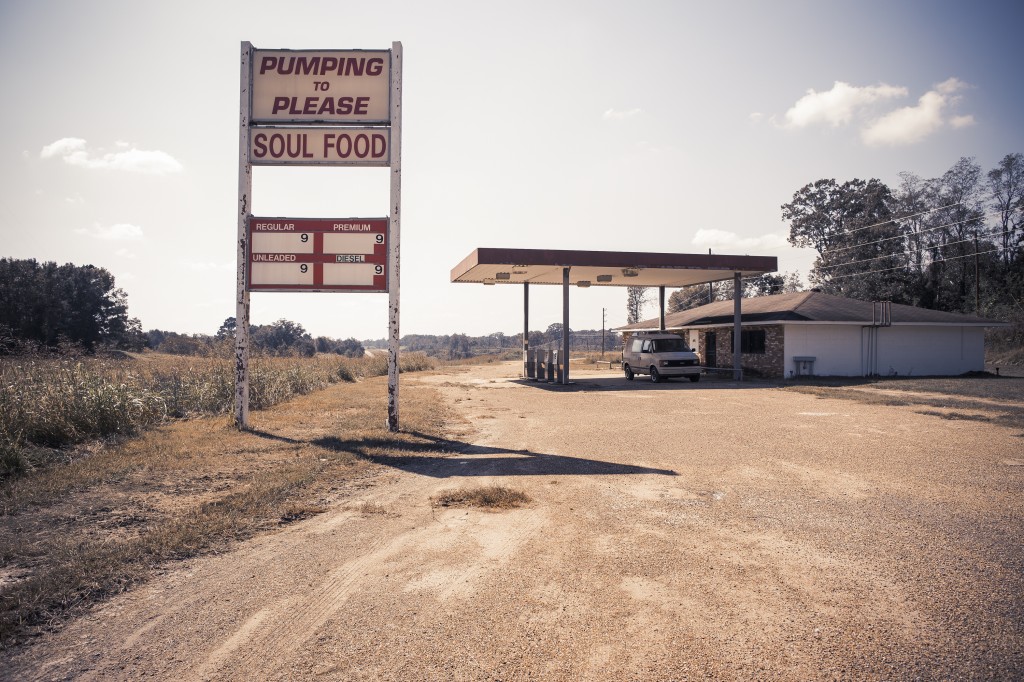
(912, 215)
(912, 234)
(900, 267)
(906, 253)
(893, 220)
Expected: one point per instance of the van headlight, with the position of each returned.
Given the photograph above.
(663, 363)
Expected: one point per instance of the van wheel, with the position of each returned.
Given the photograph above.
(628, 372)
(655, 377)
(694, 378)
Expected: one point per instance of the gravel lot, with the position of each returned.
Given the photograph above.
(676, 531)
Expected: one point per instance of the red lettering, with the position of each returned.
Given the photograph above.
(310, 106)
(280, 104)
(380, 145)
(362, 105)
(267, 64)
(259, 144)
(276, 146)
(362, 146)
(348, 145)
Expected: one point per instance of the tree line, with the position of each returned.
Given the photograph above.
(50, 305)
(685, 298)
(461, 346)
(281, 338)
(953, 243)
(80, 307)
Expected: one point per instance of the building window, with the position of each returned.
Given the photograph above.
(751, 342)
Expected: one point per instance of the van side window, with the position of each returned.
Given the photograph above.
(636, 345)
(646, 348)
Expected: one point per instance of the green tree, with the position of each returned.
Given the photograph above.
(227, 329)
(688, 297)
(860, 246)
(1006, 187)
(46, 303)
(636, 299)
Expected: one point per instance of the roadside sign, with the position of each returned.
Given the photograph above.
(331, 86)
(318, 108)
(277, 146)
(322, 254)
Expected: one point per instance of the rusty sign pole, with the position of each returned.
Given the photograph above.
(244, 208)
(394, 229)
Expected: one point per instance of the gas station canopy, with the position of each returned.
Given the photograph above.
(609, 269)
(605, 268)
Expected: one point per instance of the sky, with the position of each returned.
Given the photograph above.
(641, 126)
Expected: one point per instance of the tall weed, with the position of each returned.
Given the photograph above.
(53, 402)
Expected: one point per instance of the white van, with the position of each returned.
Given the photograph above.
(661, 355)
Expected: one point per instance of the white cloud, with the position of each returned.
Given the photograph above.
(908, 125)
(837, 106)
(756, 117)
(75, 153)
(950, 85)
(113, 233)
(63, 147)
(615, 115)
(124, 253)
(722, 240)
(961, 121)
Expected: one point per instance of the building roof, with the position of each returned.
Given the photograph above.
(807, 307)
(605, 268)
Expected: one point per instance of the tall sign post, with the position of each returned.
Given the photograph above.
(395, 228)
(318, 108)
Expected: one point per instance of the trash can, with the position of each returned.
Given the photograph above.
(803, 365)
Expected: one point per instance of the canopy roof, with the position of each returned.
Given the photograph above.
(605, 268)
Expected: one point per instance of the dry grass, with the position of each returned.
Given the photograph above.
(73, 534)
(372, 508)
(488, 497)
(50, 403)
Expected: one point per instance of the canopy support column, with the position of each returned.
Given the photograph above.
(737, 333)
(565, 325)
(661, 308)
(526, 330)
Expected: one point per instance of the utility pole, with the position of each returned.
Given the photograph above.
(711, 287)
(977, 277)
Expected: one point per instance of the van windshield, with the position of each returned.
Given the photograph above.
(670, 346)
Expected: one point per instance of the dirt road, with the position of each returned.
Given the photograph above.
(680, 531)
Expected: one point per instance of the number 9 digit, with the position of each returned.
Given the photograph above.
(304, 238)
(380, 239)
(378, 269)
(303, 268)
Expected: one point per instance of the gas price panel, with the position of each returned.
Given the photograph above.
(330, 254)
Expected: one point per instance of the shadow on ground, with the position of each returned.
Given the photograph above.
(643, 383)
(426, 455)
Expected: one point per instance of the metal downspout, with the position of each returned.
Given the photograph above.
(737, 328)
